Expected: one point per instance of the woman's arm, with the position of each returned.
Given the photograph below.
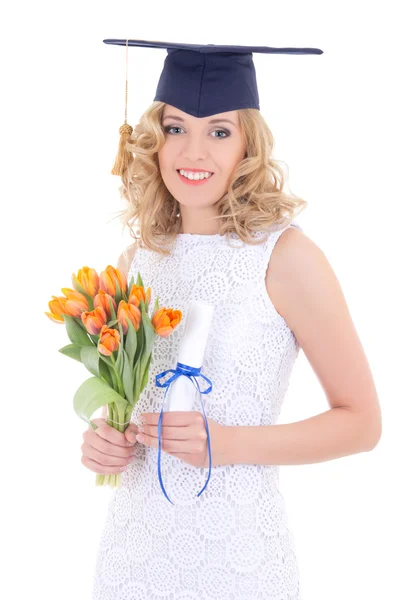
(332, 434)
(306, 292)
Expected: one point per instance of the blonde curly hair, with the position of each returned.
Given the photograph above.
(255, 200)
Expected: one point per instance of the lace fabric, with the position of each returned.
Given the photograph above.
(233, 542)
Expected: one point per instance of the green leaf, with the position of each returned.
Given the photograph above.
(130, 286)
(139, 345)
(139, 280)
(146, 375)
(136, 381)
(72, 350)
(92, 395)
(112, 311)
(149, 331)
(118, 293)
(90, 358)
(76, 333)
(105, 373)
(131, 342)
(127, 379)
(107, 360)
(156, 307)
(148, 342)
(119, 361)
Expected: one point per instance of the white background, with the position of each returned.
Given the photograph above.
(335, 121)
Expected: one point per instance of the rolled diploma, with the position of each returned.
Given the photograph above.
(182, 392)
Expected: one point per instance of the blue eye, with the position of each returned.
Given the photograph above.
(167, 129)
(226, 133)
(222, 131)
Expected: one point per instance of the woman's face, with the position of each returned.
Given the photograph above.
(214, 144)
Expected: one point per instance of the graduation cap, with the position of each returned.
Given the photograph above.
(201, 80)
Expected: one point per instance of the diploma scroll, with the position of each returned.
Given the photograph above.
(182, 394)
(182, 387)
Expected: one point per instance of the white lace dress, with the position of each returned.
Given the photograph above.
(233, 542)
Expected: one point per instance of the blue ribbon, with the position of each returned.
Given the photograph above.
(192, 373)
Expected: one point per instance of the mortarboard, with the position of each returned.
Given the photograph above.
(202, 80)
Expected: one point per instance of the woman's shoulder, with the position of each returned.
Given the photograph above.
(125, 259)
(291, 248)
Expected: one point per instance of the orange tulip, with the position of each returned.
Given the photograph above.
(129, 311)
(94, 320)
(137, 294)
(109, 340)
(165, 320)
(102, 299)
(88, 279)
(108, 279)
(76, 302)
(57, 309)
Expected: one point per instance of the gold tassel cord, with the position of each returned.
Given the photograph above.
(123, 157)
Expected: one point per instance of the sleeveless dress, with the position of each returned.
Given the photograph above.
(233, 542)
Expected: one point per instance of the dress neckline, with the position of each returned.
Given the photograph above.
(202, 235)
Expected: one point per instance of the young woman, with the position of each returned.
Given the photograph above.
(227, 239)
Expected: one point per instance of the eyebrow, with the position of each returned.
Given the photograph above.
(210, 122)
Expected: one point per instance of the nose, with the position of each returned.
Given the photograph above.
(194, 149)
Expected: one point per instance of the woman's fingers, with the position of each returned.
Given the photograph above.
(130, 432)
(104, 446)
(173, 446)
(102, 469)
(105, 450)
(112, 456)
(174, 433)
(110, 434)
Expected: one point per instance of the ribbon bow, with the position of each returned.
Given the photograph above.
(192, 373)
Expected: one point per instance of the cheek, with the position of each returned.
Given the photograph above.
(161, 157)
(228, 166)
(232, 160)
(229, 156)
(165, 170)
(166, 158)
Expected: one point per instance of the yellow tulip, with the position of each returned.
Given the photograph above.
(102, 299)
(129, 311)
(57, 309)
(94, 320)
(75, 303)
(165, 320)
(88, 279)
(109, 340)
(137, 294)
(108, 279)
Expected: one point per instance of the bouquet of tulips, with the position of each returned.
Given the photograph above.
(112, 334)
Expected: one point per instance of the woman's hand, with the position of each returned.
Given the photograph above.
(107, 450)
(184, 435)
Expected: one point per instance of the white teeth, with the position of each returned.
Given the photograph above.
(197, 175)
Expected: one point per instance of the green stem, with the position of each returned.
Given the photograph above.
(114, 379)
(115, 415)
(110, 415)
(119, 380)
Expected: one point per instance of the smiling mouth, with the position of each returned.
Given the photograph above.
(177, 170)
